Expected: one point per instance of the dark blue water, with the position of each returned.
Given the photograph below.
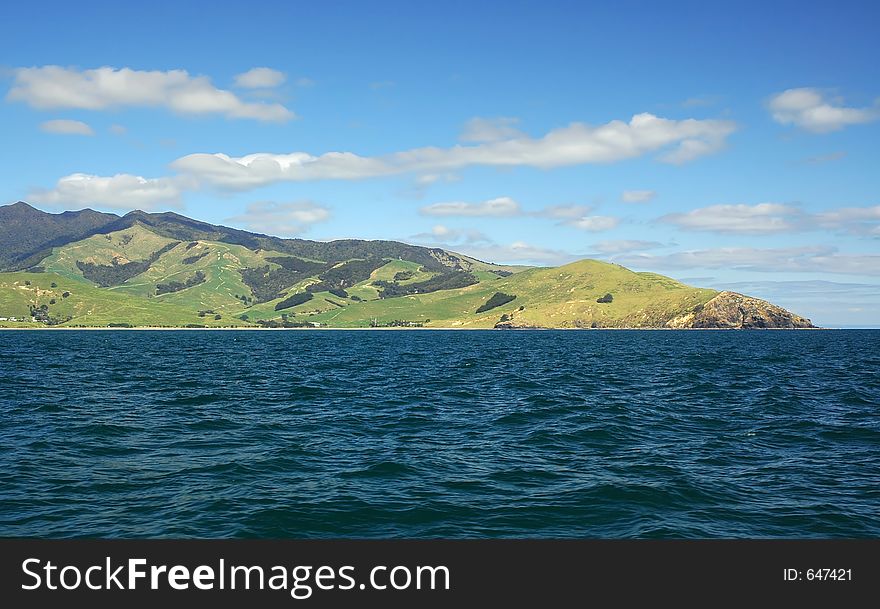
(440, 434)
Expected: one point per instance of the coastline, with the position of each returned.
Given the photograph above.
(434, 328)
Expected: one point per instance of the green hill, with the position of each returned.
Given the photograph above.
(167, 270)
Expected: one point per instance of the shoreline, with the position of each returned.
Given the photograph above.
(435, 328)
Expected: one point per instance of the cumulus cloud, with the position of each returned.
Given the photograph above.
(762, 218)
(281, 219)
(121, 191)
(49, 87)
(498, 207)
(622, 246)
(490, 129)
(575, 144)
(67, 127)
(809, 259)
(260, 78)
(637, 196)
(812, 110)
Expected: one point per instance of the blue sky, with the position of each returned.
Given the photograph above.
(724, 144)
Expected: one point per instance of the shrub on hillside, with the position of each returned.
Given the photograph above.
(107, 275)
(176, 286)
(497, 299)
(292, 301)
(447, 281)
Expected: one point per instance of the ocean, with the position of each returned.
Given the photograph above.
(440, 434)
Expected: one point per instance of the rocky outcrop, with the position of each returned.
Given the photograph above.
(736, 311)
(509, 321)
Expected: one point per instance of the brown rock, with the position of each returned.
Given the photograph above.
(733, 310)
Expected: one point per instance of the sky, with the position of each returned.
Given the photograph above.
(731, 145)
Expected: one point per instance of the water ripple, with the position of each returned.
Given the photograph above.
(440, 434)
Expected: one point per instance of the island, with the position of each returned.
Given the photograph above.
(87, 269)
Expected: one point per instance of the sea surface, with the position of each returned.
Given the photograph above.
(611, 434)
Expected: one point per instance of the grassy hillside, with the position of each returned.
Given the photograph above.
(543, 297)
(550, 297)
(153, 272)
(89, 305)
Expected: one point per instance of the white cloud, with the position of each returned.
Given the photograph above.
(422, 183)
(50, 87)
(767, 218)
(281, 219)
(474, 243)
(506, 207)
(304, 82)
(260, 78)
(856, 220)
(762, 218)
(637, 196)
(572, 145)
(595, 224)
(67, 127)
(518, 252)
(118, 130)
(624, 246)
(444, 234)
(122, 191)
(564, 212)
(810, 109)
(498, 207)
(433, 178)
(810, 259)
(490, 129)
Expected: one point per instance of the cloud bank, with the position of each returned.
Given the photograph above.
(576, 144)
(808, 259)
(121, 191)
(50, 87)
(769, 218)
(506, 207)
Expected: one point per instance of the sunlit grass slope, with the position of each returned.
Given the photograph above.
(207, 282)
